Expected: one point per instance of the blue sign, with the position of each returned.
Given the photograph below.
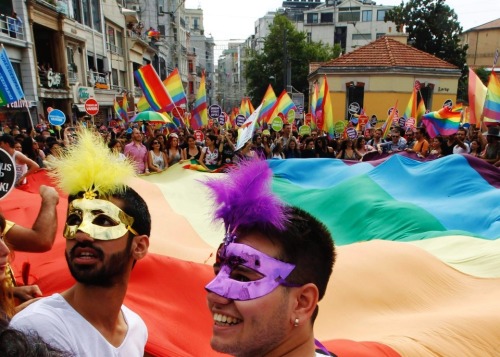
(57, 117)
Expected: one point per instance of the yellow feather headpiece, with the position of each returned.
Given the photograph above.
(90, 167)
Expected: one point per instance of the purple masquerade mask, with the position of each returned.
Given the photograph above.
(246, 273)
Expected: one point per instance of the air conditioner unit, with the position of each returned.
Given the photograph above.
(136, 8)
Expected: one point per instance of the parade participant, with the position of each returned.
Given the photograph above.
(461, 146)
(173, 150)
(271, 269)
(420, 145)
(137, 152)
(397, 143)
(192, 151)
(24, 165)
(157, 159)
(491, 152)
(210, 156)
(106, 231)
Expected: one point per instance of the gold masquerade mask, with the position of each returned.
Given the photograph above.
(101, 219)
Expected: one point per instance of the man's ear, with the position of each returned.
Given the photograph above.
(305, 301)
(140, 246)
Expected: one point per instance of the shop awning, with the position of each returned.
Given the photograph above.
(80, 107)
(130, 15)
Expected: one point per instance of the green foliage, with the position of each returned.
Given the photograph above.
(268, 67)
(433, 27)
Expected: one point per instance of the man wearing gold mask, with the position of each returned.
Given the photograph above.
(107, 230)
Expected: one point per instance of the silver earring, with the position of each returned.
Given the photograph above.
(296, 322)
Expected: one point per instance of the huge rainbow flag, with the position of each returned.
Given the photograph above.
(417, 272)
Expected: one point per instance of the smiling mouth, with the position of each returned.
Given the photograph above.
(224, 320)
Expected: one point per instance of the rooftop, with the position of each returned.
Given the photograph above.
(386, 52)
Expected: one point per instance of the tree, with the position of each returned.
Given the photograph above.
(433, 27)
(268, 67)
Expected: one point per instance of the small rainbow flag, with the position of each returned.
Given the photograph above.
(328, 126)
(267, 103)
(445, 121)
(125, 105)
(244, 108)
(477, 96)
(199, 116)
(119, 110)
(320, 98)
(173, 84)
(390, 118)
(283, 105)
(153, 89)
(491, 109)
(314, 101)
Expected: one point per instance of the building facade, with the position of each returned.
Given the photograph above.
(384, 72)
(483, 41)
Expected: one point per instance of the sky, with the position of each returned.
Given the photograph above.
(235, 19)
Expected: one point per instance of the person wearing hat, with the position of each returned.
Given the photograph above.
(107, 231)
(271, 269)
(491, 151)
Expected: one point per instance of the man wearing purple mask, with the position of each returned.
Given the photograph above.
(107, 231)
(271, 270)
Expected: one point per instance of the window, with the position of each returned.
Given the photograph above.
(309, 37)
(366, 15)
(361, 36)
(312, 18)
(380, 34)
(380, 15)
(190, 66)
(355, 93)
(191, 87)
(327, 18)
(349, 16)
(195, 23)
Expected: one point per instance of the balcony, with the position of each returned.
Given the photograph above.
(10, 27)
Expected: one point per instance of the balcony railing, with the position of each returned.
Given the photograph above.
(12, 27)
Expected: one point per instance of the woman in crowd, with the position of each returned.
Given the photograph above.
(210, 158)
(173, 150)
(246, 152)
(277, 152)
(292, 151)
(309, 150)
(436, 147)
(475, 148)
(116, 148)
(266, 144)
(157, 159)
(346, 151)
(362, 148)
(30, 149)
(192, 151)
(55, 150)
(322, 148)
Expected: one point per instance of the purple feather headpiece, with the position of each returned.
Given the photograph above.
(243, 198)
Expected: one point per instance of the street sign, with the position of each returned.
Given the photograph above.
(214, 111)
(91, 106)
(178, 112)
(56, 117)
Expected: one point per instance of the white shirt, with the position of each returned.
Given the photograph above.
(62, 326)
(458, 150)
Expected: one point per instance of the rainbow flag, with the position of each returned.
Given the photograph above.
(10, 89)
(314, 101)
(388, 123)
(421, 109)
(411, 108)
(173, 84)
(122, 114)
(477, 96)
(327, 111)
(199, 116)
(320, 98)
(244, 108)
(491, 110)
(143, 105)
(445, 121)
(153, 89)
(125, 105)
(250, 106)
(267, 103)
(283, 105)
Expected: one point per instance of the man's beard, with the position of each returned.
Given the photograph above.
(109, 274)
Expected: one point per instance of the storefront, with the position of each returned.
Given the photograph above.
(19, 113)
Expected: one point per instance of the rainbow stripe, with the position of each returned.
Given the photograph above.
(122, 114)
(477, 96)
(411, 108)
(199, 116)
(445, 121)
(267, 103)
(327, 111)
(388, 123)
(153, 88)
(320, 97)
(314, 101)
(244, 108)
(492, 104)
(174, 86)
(283, 105)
